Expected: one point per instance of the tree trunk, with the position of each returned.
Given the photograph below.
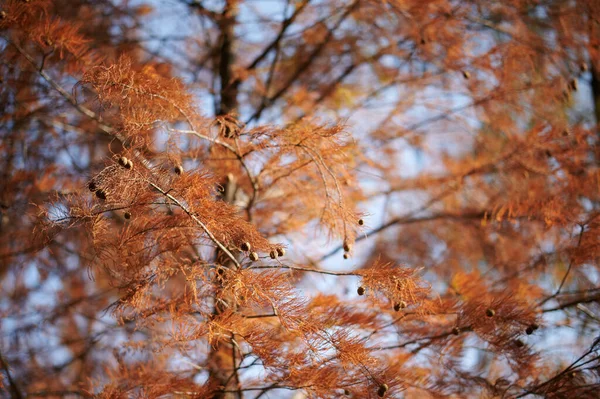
(228, 93)
(223, 361)
(594, 54)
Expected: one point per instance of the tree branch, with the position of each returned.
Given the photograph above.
(304, 66)
(14, 387)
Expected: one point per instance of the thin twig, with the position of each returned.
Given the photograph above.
(199, 222)
(306, 269)
(564, 279)
(14, 387)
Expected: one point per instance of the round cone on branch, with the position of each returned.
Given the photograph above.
(273, 254)
(123, 161)
(383, 388)
(361, 291)
(347, 246)
(101, 194)
(92, 186)
(456, 331)
(466, 74)
(127, 215)
(400, 305)
(253, 256)
(129, 164)
(490, 312)
(346, 256)
(573, 85)
(280, 251)
(529, 330)
(178, 170)
(361, 222)
(245, 246)
(2, 15)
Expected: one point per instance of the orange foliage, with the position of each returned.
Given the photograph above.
(177, 179)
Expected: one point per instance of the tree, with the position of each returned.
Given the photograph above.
(251, 199)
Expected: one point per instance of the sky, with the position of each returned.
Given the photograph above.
(411, 161)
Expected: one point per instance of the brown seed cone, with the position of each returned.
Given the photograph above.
(529, 330)
(383, 388)
(347, 246)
